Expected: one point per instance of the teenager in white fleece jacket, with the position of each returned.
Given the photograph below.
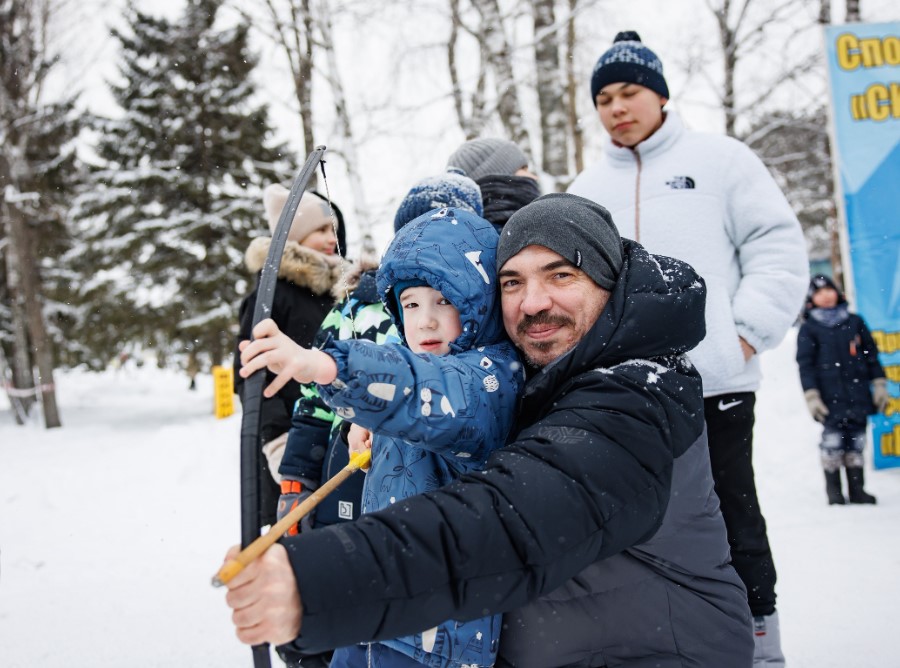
(708, 200)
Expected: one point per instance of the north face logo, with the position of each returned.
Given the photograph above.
(681, 183)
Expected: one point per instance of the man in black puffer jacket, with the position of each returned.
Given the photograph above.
(596, 530)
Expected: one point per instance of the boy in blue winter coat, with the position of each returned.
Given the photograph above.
(316, 445)
(437, 407)
(838, 360)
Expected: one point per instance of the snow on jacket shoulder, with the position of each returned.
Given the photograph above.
(587, 476)
(708, 200)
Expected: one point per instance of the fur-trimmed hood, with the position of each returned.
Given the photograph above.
(349, 281)
(299, 265)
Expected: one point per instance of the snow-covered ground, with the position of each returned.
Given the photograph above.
(111, 527)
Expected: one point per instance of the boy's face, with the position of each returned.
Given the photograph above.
(825, 297)
(430, 322)
(629, 112)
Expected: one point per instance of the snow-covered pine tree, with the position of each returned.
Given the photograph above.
(177, 193)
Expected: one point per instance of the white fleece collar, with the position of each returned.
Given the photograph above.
(667, 134)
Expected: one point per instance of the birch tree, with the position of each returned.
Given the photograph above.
(290, 25)
(472, 116)
(576, 129)
(499, 55)
(744, 28)
(550, 79)
(348, 149)
(830, 222)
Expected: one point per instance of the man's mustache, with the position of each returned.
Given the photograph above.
(542, 318)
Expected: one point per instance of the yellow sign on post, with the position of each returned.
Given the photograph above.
(223, 390)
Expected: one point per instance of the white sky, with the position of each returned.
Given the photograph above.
(396, 58)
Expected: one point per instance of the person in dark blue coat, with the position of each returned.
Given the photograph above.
(843, 383)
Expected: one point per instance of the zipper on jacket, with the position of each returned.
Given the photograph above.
(637, 197)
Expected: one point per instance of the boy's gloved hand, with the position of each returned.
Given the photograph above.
(359, 439)
(817, 407)
(293, 492)
(880, 396)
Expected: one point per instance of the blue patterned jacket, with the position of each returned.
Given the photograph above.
(434, 417)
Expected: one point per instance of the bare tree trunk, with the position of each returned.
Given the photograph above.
(21, 368)
(348, 150)
(41, 344)
(26, 61)
(728, 42)
(9, 386)
(575, 126)
(304, 87)
(454, 72)
(742, 31)
(509, 107)
(832, 222)
(473, 124)
(853, 11)
(294, 37)
(837, 264)
(554, 119)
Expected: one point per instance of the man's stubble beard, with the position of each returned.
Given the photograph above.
(542, 318)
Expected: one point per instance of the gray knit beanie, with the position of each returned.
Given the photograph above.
(486, 157)
(580, 230)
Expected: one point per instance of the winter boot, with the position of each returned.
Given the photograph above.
(855, 483)
(833, 488)
(767, 642)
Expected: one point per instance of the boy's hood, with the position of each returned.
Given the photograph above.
(455, 252)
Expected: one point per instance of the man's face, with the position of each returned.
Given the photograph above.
(548, 304)
(629, 112)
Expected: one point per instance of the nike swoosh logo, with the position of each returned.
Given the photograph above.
(731, 404)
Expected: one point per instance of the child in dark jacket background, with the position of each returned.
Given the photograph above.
(838, 361)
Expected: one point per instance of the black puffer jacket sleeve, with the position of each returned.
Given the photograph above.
(587, 476)
(569, 491)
